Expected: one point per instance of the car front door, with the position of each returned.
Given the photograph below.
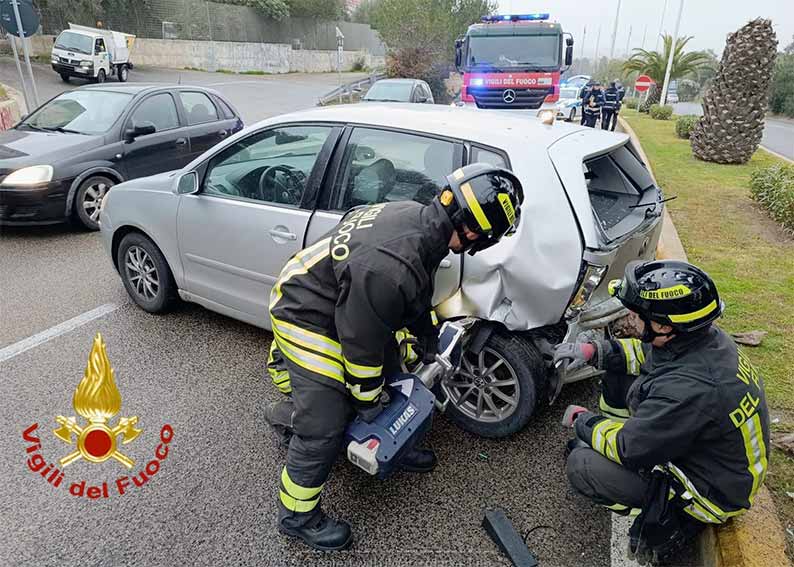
(383, 166)
(250, 216)
(206, 124)
(164, 150)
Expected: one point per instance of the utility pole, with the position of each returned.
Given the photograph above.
(598, 41)
(661, 27)
(614, 32)
(584, 35)
(628, 43)
(672, 53)
(644, 33)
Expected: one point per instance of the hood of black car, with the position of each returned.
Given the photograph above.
(20, 148)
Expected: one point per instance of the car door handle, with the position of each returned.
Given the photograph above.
(223, 133)
(282, 234)
(446, 264)
(181, 142)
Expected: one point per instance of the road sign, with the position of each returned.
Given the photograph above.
(27, 13)
(643, 83)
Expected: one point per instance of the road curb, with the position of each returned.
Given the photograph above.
(756, 538)
(777, 155)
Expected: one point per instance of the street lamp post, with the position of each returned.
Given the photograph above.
(670, 57)
(614, 32)
(661, 26)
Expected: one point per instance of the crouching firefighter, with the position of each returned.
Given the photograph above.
(683, 436)
(334, 311)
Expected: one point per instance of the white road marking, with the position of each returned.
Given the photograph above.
(67, 326)
(620, 541)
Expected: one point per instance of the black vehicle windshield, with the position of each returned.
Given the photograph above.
(510, 51)
(393, 92)
(72, 41)
(83, 112)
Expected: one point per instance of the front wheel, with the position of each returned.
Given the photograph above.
(145, 273)
(64, 77)
(88, 200)
(100, 76)
(496, 392)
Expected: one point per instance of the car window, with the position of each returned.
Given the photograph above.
(225, 108)
(198, 107)
(159, 109)
(481, 155)
(381, 166)
(100, 45)
(271, 166)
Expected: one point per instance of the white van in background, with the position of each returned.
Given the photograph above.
(92, 53)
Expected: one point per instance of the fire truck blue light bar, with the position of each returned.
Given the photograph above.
(515, 17)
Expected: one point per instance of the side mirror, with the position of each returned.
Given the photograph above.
(569, 53)
(142, 129)
(458, 53)
(188, 183)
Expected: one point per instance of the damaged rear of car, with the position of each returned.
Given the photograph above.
(591, 207)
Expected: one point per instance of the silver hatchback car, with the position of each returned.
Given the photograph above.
(218, 231)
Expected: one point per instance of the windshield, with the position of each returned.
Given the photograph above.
(83, 112)
(569, 93)
(400, 92)
(74, 42)
(514, 51)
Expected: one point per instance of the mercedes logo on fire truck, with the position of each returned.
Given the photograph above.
(509, 96)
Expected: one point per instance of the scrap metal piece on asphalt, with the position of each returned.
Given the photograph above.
(501, 530)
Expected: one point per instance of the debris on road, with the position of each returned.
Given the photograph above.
(749, 338)
(502, 532)
(784, 442)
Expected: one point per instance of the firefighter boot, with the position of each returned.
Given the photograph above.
(418, 460)
(322, 532)
(279, 416)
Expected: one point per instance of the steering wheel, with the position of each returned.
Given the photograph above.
(287, 190)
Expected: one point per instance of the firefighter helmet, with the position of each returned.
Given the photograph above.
(486, 200)
(669, 292)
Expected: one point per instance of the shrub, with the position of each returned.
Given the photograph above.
(661, 112)
(359, 64)
(631, 102)
(773, 188)
(684, 125)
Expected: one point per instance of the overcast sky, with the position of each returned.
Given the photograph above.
(709, 21)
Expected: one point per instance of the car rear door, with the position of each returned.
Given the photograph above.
(206, 123)
(167, 149)
(248, 219)
(361, 174)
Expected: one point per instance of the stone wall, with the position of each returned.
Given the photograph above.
(225, 55)
(12, 109)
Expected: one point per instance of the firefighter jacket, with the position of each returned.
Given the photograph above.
(612, 99)
(697, 410)
(336, 305)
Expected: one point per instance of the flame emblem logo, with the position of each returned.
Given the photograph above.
(97, 399)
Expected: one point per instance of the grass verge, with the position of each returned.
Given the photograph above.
(750, 258)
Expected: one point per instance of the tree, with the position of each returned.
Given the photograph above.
(654, 64)
(734, 106)
(789, 49)
(363, 12)
(781, 96)
(321, 9)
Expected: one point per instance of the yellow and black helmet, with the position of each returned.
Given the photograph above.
(669, 292)
(484, 198)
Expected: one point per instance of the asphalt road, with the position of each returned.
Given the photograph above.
(213, 499)
(778, 133)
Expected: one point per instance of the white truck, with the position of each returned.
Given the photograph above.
(92, 53)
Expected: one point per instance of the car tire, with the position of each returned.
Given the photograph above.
(572, 115)
(520, 362)
(100, 77)
(64, 77)
(88, 200)
(121, 73)
(145, 273)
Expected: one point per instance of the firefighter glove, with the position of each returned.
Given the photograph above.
(575, 355)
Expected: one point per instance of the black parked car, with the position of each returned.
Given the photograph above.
(59, 162)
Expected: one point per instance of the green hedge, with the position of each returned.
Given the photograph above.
(631, 102)
(773, 188)
(661, 112)
(684, 125)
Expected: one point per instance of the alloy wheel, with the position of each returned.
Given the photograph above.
(92, 200)
(142, 273)
(486, 387)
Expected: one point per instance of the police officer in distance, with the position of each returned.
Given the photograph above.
(591, 105)
(683, 412)
(334, 311)
(611, 107)
(584, 95)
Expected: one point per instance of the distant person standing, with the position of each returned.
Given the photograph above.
(611, 107)
(591, 106)
(584, 94)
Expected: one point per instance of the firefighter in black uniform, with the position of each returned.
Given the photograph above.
(611, 107)
(334, 311)
(682, 412)
(591, 105)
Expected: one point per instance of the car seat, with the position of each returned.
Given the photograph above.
(372, 184)
(199, 113)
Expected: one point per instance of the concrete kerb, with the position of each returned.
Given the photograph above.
(756, 538)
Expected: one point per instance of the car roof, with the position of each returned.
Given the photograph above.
(504, 129)
(138, 88)
(399, 81)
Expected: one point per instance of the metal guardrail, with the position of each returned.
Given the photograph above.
(349, 88)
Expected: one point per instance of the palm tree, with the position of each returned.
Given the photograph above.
(654, 64)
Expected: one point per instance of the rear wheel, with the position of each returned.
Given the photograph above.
(100, 77)
(88, 200)
(496, 392)
(64, 77)
(145, 273)
(121, 72)
(572, 115)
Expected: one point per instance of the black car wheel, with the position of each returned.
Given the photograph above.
(64, 77)
(145, 273)
(88, 200)
(100, 77)
(121, 72)
(496, 392)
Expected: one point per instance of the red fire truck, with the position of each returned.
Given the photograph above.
(513, 62)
